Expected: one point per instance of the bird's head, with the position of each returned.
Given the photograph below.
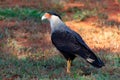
(50, 15)
(54, 19)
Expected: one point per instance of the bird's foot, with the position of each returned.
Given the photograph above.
(68, 71)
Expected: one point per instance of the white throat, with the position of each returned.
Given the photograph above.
(55, 22)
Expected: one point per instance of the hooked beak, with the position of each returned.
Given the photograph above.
(43, 17)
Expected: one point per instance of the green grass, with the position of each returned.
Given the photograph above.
(20, 13)
(54, 68)
(83, 14)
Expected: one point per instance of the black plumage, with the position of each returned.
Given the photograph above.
(70, 44)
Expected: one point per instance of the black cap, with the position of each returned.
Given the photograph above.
(53, 13)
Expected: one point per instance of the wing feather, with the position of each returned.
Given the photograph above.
(70, 42)
(65, 41)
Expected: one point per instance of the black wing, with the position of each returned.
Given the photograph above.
(68, 41)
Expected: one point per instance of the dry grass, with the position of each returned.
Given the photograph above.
(100, 38)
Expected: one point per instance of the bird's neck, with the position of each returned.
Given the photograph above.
(55, 23)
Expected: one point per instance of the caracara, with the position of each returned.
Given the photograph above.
(69, 43)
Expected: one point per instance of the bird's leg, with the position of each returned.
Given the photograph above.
(68, 65)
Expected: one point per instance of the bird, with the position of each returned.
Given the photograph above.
(69, 43)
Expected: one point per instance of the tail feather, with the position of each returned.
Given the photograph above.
(96, 62)
(91, 58)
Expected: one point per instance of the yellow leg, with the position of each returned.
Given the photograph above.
(68, 65)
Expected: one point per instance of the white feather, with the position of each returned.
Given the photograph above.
(90, 60)
(55, 22)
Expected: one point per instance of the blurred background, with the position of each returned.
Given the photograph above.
(25, 40)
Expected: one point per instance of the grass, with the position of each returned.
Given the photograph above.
(41, 65)
(20, 13)
(83, 14)
(53, 68)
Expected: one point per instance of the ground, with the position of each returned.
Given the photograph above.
(28, 37)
